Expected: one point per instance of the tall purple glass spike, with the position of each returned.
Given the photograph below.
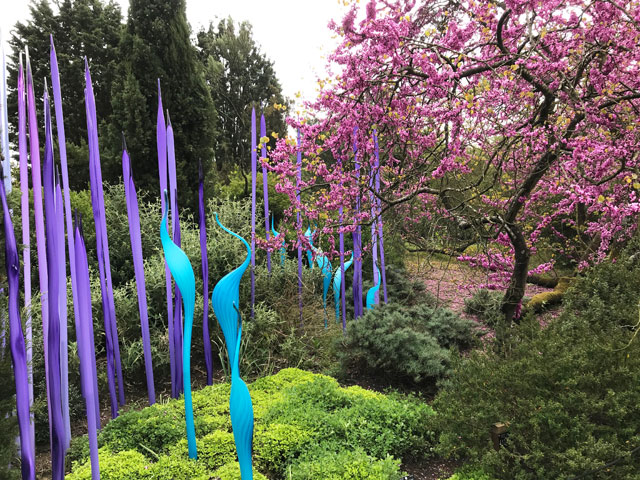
(161, 140)
(379, 213)
(175, 229)
(56, 420)
(343, 303)
(265, 187)
(375, 300)
(254, 154)
(97, 200)
(38, 214)
(86, 350)
(62, 309)
(16, 341)
(26, 249)
(138, 267)
(208, 358)
(357, 241)
(62, 149)
(299, 226)
(4, 121)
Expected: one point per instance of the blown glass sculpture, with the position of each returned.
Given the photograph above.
(283, 252)
(182, 273)
(337, 281)
(225, 300)
(371, 293)
(327, 271)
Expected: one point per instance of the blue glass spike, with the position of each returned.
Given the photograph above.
(337, 280)
(309, 236)
(225, 295)
(182, 273)
(241, 412)
(371, 294)
(327, 272)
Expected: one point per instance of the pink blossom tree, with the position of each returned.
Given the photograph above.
(504, 119)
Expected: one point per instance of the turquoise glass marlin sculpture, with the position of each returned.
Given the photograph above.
(225, 300)
(371, 294)
(283, 252)
(182, 273)
(337, 280)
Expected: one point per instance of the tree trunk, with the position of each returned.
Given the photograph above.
(517, 283)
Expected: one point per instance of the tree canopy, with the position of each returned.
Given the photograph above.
(518, 122)
(240, 77)
(156, 45)
(80, 28)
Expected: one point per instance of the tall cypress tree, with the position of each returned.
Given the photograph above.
(240, 77)
(156, 44)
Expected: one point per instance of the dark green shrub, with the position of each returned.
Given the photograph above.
(485, 304)
(402, 288)
(8, 422)
(569, 391)
(408, 342)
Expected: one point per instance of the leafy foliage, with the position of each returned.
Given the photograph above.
(8, 422)
(354, 465)
(590, 355)
(407, 342)
(305, 425)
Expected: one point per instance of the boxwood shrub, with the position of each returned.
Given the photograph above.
(306, 426)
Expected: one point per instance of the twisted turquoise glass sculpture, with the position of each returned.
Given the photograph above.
(337, 280)
(225, 300)
(309, 236)
(371, 294)
(182, 273)
(283, 252)
(327, 273)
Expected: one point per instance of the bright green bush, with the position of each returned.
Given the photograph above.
(406, 342)
(569, 391)
(346, 465)
(231, 471)
(470, 473)
(299, 416)
(123, 465)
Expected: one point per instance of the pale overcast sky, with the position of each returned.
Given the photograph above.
(292, 33)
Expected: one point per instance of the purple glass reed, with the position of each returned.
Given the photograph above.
(26, 241)
(175, 228)
(357, 239)
(97, 200)
(254, 154)
(208, 358)
(379, 214)
(299, 225)
(17, 346)
(86, 350)
(138, 267)
(56, 420)
(161, 141)
(265, 188)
